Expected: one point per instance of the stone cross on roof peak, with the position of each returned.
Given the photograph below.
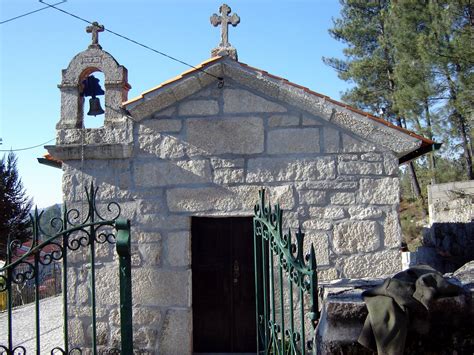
(225, 48)
(95, 28)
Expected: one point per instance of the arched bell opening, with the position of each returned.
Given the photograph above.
(92, 98)
(81, 107)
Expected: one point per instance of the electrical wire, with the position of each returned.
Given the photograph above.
(27, 148)
(220, 79)
(135, 42)
(31, 12)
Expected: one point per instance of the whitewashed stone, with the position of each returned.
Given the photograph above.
(293, 140)
(150, 316)
(76, 332)
(107, 280)
(176, 336)
(276, 169)
(384, 263)
(359, 125)
(343, 198)
(243, 135)
(205, 79)
(328, 274)
(312, 121)
(161, 287)
(360, 212)
(235, 198)
(347, 157)
(331, 213)
(392, 231)
(352, 145)
(82, 294)
(312, 197)
(283, 120)
(163, 220)
(165, 173)
(198, 108)
(394, 140)
(328, 185)
(150, 253)
(318, 224)
(152, 205)
(186, 87)
(102, 330)
(162, 146)
(354, 237)
(332, 140)
(159, 125)
(145, 237)
(320, 243)
(227, 163)
(229, 176)
(390, 163)
(136, 257)
(371, 157)
(241, 101)
(144, 337)
(360, 168)
(379, 191)
(249, 79)
(147, 107)
(167, 112)
(290, 220)
(178, 251)
(114, 316)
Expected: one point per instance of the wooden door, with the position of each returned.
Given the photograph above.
(223, 285)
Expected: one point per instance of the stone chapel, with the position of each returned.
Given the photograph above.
(186, 160)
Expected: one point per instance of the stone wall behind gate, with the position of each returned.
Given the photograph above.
(208, 155)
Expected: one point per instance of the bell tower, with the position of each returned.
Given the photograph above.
(78, 84)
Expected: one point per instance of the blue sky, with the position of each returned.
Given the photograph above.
(286, 38)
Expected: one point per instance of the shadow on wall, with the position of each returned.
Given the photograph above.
(447, 246)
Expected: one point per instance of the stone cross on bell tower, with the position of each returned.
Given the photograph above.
(95, 28)
(225, 48)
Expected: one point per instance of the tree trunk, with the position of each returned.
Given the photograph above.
(460, 121)
(414, 181)
(411, 168)
(466, 146)
(431, 156)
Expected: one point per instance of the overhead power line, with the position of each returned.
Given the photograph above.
(31, 12)
(134, 41)
(27, 148)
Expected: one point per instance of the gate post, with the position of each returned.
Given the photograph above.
(125, 274)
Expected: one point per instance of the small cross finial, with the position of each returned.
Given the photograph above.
(224, 47)
(95, 28)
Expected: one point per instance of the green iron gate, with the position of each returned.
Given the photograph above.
(72, 232)
(285, 282)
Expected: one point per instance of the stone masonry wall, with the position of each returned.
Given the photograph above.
(208, 155)
(451, 202)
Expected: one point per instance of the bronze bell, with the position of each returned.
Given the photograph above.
(94, 107)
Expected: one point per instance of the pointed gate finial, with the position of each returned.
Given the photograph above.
(225, 48)
(95, 28)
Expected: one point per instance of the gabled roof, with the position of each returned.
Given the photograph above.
(406, 145)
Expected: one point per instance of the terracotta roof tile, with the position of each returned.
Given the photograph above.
(175, 79)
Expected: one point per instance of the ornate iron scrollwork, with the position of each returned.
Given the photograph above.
(279, 253)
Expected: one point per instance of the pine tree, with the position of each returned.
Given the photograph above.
(450, 46)
(417, 91)
(370, 62)
(14, 205)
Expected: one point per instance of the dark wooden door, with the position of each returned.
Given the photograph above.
(223, 285)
